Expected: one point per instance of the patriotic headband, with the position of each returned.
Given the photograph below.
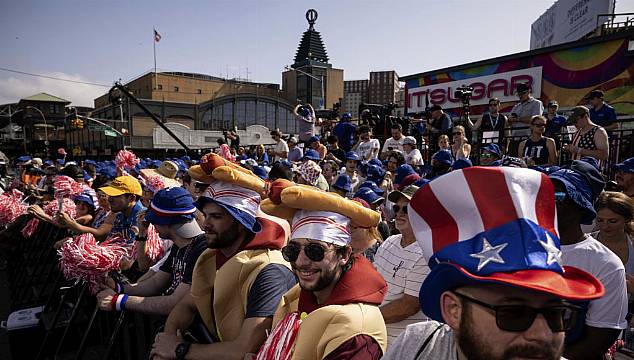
(325, 226)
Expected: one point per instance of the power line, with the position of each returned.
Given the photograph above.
(54, 78)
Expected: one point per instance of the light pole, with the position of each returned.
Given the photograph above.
(321, 81)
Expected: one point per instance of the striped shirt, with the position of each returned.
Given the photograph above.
(404, 270)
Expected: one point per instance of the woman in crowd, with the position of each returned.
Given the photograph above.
(460, 149)
(538, 149)
(615, 216)
(412, 155)
(260, 155)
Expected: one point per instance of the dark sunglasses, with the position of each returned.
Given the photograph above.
(314, 252)
(397, 208)
(560, 196)
(456, 133)
(486, 156)
(518, 318)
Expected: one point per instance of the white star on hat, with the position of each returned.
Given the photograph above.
(554, 254)
(489, 254)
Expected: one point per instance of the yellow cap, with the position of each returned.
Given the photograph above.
(123, 185)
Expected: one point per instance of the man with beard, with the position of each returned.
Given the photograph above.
(237, 282)
(625, 176)
(497, 282)
(172, 214)
(333, 312)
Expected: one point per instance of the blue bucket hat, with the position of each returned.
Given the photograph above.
(444, 157)
(351, 155)
(583, 183)
(86, 199)
(375, 174)
(626, 166)
(461, 164)
(23, 158)
(343, 183)
(171, 206)
(493, 149)
(368, 195)
(372, 185)
(311, 155)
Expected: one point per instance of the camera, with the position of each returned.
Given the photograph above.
(464, 93)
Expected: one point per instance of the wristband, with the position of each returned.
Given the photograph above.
(113, 302)
(121, 300)
(119, 287)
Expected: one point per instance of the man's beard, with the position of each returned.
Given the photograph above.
(224, 239)
(326, 277)
(473, 349)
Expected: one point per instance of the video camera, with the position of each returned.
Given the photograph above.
(464, 93)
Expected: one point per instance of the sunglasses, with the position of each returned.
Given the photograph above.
(486, 156)
(456, 133)
(560, 196)
(540, 125)
(313, 252)
(397, 208)
(518, 318)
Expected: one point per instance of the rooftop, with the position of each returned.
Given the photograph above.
(45, 98)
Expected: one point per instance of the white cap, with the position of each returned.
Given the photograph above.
(325, 226)
(409, 140)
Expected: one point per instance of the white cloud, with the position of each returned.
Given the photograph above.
(15, 87)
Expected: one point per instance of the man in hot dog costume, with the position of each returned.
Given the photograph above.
(238, 281)
(333, 313)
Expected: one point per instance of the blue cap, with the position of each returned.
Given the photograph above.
(443, 157)
(375, 174)
(48, 162)
(261, 172)
(343, 182)
(375, 161)
(314, 138)
(311, 155)
(351, 155)
(461, 164)
(372, 185)
(89, 161)
(85, 198)
(186, 158)
(181, 165)
(403, 171)
(421, 182)
(60, 161)
(23, 158)
(87, 177)
(346, 116)
(626, 166)
(368, 195)
(583, 183)
(171, 206)
(493, 149)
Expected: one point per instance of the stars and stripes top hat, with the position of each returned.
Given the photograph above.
(243, 204)
(493, 225)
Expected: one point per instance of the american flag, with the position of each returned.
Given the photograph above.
(157, 36)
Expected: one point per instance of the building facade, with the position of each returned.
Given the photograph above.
(383, 87)
(355, 92)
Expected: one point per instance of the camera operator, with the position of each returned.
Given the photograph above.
(440, 123)
(492, 120)
(521, 116)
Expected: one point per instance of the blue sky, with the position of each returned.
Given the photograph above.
(102, 41)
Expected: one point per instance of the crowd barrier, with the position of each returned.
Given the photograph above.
(53, 318)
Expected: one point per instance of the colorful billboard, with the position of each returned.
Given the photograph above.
(566, 76)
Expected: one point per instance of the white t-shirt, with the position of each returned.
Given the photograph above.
(591, 256)
(280, 146)
(404, 270)
(396, 145)
(414, 158)
(365, 148)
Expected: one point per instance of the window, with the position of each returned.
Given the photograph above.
(210, 139)
(159, 87)
(175, 88)
(51, 108)
(200, 91)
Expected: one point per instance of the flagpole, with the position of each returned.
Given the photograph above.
(154, 43)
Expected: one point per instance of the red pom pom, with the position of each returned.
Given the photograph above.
(126, 159)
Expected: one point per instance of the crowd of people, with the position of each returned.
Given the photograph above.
(341, 246)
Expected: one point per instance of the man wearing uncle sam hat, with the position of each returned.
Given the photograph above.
(497, 288)
(238, 281)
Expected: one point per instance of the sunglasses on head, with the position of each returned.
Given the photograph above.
(397, 208)
(314, 252)
(518, 318)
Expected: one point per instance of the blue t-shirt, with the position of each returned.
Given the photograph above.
(344, 131)
(605, 116)
(127, 227)
(266, 291)
(554, 125)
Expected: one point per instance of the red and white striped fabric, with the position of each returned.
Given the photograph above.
(464, 203)
(323, 226)
(235, 196)
(66, 186)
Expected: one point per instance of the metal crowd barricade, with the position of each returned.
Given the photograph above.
(70, 325)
